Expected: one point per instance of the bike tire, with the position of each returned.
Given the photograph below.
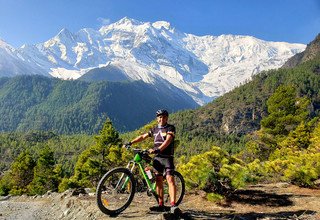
(180, 188)
(115, 191)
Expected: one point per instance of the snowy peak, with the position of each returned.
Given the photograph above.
(204, 67)
(162, 25)
(5, 46)
(13, 63)
(125, 24)
(65, 35)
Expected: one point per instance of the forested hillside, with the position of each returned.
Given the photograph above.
(73, 107)
(66, 147)
(240, 111)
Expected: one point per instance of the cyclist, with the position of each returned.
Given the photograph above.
(163, 149)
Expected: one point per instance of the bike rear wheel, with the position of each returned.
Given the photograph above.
(180, 189)
(115, 191)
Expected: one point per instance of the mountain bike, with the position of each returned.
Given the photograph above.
(117, 187)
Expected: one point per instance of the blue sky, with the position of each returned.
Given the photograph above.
(34, 21)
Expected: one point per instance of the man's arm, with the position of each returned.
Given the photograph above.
(139, 138)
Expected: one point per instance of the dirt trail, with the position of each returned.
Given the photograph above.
(269, 201)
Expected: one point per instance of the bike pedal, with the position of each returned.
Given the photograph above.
(149, 193)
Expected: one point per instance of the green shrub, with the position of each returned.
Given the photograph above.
(256, 171)
(304, 169)
(5, 184)
(66, 184)
(15, 191)
(214, 197)
(214, 171)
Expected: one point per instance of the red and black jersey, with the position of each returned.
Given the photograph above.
(160, 134)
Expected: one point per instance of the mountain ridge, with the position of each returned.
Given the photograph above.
(77, 106)
(312, 50)
(205, 67)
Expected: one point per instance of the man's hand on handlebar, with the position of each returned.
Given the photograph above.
(154, 151)
(127, 145)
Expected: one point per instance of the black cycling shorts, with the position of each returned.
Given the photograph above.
(161, 164)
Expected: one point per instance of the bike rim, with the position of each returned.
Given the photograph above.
(116, 191)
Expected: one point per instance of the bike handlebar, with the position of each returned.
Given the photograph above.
(127, 146)
(143, 153)
(136, 150)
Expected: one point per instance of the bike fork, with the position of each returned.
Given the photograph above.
(127, 178)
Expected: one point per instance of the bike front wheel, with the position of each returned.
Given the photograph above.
(115, 191)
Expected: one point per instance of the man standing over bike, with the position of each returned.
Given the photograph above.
(163, 149)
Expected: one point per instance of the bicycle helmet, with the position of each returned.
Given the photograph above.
(162, 112)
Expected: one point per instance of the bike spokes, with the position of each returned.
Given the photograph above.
(115, 191)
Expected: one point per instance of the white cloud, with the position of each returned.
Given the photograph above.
(104, 21)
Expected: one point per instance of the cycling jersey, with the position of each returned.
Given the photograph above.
(160, 134)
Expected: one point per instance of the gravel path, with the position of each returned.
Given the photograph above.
(270, 201)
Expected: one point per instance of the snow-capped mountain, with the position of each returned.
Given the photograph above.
(12, 64)
(203, 66)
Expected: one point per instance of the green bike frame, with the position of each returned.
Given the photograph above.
(131, 165)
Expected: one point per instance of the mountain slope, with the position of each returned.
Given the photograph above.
(205, 67)
(41, 103)
(241, 110)
(312, 50)
(11, 64)
(107, 73)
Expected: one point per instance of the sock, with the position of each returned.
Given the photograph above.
(160, 203)
(172, 203)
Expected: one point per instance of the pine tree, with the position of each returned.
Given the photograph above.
(315, 138)
(97, 159)
(45, 178)
(286, 111)
(22, 172)
(17, 178)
